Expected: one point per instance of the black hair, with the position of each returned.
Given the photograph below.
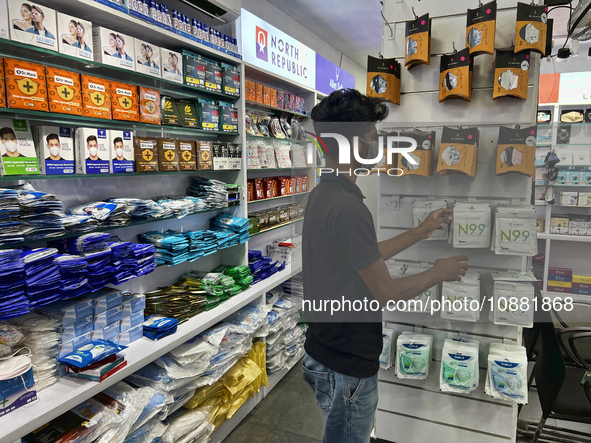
(120, 38)
(7, 130)
(117, 140)
(75, 22)
(26, 5)
(82, 26)
(39, 10)
(52, 137)
(91, 138)
(347, 106)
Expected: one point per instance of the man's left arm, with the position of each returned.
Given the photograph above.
(394, 246)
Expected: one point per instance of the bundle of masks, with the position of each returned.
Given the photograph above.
(10, 222)
(212, 192)
(506, 377)
(13, 296)
(41, 214)
(262, 267)
(73, 276)
(156, 327)
(413, 355)
(42, 276)
(459, 366)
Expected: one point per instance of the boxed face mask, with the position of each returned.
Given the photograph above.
(574, 178)
(92, 151)
(17, 148)
(472, 225)
(26, 86)
(33, 24)
(251, 92)
(231, 80)
(125, 102)
(168, 159)
(147, 58)
(516, 151)
(96, 97)
(204, 155)
(511, 74)
(187, 157)
(64, 91)
(455, 76)
(417, 45)
(146, 154)
(194, 70)
(423, 155)
(480, 29)
(581, 157)
(220, 156)
(75, 36)
(235, 153)
(170, 112)
(421, 210)
(55, 150)
(188, 113)
(531, 29)
(229, 117)
(213, 75)
(149, 106)
(122, 155)
(113, 48)
(460, 301)
(172, 65)
(515, 230)
(565, 156)
(209, 114)
(383, 79)
(458, 151)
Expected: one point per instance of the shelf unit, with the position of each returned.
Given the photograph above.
(256, 106)
(280, 225)
(278, 198)
(280, 140)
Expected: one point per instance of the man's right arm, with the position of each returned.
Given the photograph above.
(384, 288)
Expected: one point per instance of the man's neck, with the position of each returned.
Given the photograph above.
(346, 171)
(39, 26)
(12, 154)
(55, 158)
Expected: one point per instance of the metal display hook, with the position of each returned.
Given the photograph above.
(413, 12)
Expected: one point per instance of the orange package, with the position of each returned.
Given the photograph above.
(26, 86)
(273, 97)
(149, 106)
(2, 85)
(259, 92)
(96, 97)
(251, 90)
(64, 92)
(266, 95)
(126, 103)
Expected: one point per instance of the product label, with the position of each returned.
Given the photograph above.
(63, 80)
(125, 92)
(96, 87)
(25, 73)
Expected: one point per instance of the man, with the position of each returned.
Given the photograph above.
(120, 42)
(92, 146)
(342, 259)
(38, 28)
(10, 143)
(54, 146)
(118, 149)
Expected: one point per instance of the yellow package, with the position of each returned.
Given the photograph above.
(203, 394)
(258, 355)
(240, 400)
(243, 373)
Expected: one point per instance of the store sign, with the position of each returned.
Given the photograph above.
(270, 49)
(330, 77)
(575, 87)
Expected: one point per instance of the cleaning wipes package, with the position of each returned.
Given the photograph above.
(122, 152)
(459, 366)
(92, 151)
(471, 225)
(421, 210)
(55, 150)
(17, 148)
(457, 298)
(515, 230)
(413, 355)
(506, 377)
(513, 296)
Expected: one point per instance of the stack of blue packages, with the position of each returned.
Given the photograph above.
(41, 214)
(137, 208)
(195, 239)
(123, 261)
(145, 257)
(87, 242)
(100, 271)
(156, 327)
(238, 225)
(10, 223)
(262, 267)
(172, 247)
(42, 276)
(80, 223)
(73, 276)
(13, 297)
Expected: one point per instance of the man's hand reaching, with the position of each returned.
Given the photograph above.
(434, 221)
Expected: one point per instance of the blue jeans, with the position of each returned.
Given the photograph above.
(348, 403)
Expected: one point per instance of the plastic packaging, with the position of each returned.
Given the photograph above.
(515, 230)
(506, 376)
(387, 348)
(459, 367)
(10, 335)
(421, 210)
(472, 225)
(413, 356)
(456, 298)
(183, 422)
(91, 353)
(148, 432)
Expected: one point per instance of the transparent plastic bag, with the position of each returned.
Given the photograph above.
(183, 422)
(147, 433)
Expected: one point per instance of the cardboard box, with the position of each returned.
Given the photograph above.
(563, 272)
(122, 154)
(573, 178)
(17, 148)
(147, 58)
(188, 113)
(113, 48)
(565, 156)
(131, 321)
(168, 158)
(259, 93)
(540, 225)
(73, 345)
(267, 95)
(146, 154)
(235, 154)
(108, 318)
(231, 80)
(581, 157)
(584, 199)
(133, 303)
(26, 85)
(559, 225)
(170, 112)
(213, 76)
(554, 277)
(194, 69)
(125, 102)
(250, 90)
(106, 299)
(559, 289)
(131, 335)
(70, 311)
(98, 375)
(96, 97)
(581, 291)
(586, 286)
(208, 112)
(220, 156)
(77, 329)
(38, 28)
(274, 97)
(204, 155)
(585, 178)
(93, 154)
(569, 198)
(74, 36)
(581, 279)
(149, 106)
(187, 155)
(229, 117)
(108, 332)
(560, 284)
(172, 65)
(280, 99)
(64, 91)
(55, 150)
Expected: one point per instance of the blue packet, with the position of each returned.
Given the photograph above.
(90, 353)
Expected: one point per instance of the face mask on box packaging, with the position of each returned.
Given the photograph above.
(421, 210)
(471, 225)
(506, 377)
(457, 296)
(459, 367)
(515, 230)
(413, 355)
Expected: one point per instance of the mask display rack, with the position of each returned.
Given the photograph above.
(417, 410)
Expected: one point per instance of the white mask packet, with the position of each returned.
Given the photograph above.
(421, 210)
(459, 367)
(413, 356)
(457, 298)
(506, 377)
(515, 230)
(472, 225)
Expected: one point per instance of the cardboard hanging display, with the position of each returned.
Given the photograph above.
(511, 74)
(516, 150)
(458, 152)
(480, 29)
(417, 45)
(531, 30)
(383, 78)
(423, 155)
(455, 76)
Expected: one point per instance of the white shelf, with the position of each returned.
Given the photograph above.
(69, 392)
(564, 237)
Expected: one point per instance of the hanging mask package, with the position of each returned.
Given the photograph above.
(455, 75)
(480, 29)
(418, 42)
(423, 155)
(421, 210)
(458, 152)
(531, 32)
(506, 376)
(457, 296)
(508, 291)
(511, 76)
(515, 231)
(472, 225)
(459, 367)
(413, 355)
(516, 151)
(383, 78)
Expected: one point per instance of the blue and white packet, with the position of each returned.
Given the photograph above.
(42, 276)
(156, 327)
(90, 353)
(13, 298)
(87, 242)
(73, 276)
